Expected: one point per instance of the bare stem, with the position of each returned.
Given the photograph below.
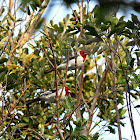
(59, 131)
(127, 91)
(114, 95)
(96, 97)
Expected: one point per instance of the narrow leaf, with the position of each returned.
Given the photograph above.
(3, 40)
(11, 17)
(128, 57)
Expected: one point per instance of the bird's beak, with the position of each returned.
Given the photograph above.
(85, 53)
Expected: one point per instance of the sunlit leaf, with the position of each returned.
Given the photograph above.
(41, 126)
(3, 40)
(11, 16)
(27, 58)
(13, 71)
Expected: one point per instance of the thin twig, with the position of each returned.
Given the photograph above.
(14, 105)
(127, 90)
(59, 131)
(96, 96)
(114, 96)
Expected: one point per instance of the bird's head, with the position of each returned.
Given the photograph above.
(68, 90)
(83, 53)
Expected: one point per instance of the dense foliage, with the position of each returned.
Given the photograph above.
(113, 51)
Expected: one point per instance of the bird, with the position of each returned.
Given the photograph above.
(50, 95)
(71, 63)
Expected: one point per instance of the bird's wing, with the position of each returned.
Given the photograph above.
(70, 58)
(50, 91)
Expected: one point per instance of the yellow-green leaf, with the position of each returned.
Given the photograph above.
(11, 66)
(9, 22)
(3, 40)
(13, 71)
(41, 126)
(27, 58)
(11, 16)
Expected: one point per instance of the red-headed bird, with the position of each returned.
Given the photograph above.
(50, 95)
(71, 63)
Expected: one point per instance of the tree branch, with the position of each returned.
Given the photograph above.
(96, 97)
(127, 91)
(114, 95)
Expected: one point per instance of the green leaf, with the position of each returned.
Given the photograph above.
(135, 19)
(127, 33)
(111, 129)
(3, 59)
(133, 94)
(130, 43)
(104, 27)
(91, 40)
(128, 57)
(122, 18)
(11, 17)
(25, 50)
(102, 49)
(95, 137)
(21, 125)
(137, 106)
(83, 137)
(130, 24)
(25, 119)
(28, 10)
(30, 45)
(112, 19)
(9, 22)
(122, 79)
(39, 23)
(2, 75)
(3, 69)
(91, 30)
(36, 52)
(68, 103)
(27, 58)
(41, 127)
(132, 62)
(95, 49)
(3, 9)
(82, 41)
(13, 71)
(22, 10)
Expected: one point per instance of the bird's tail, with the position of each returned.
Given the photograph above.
(31, 101)
(48, 71)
